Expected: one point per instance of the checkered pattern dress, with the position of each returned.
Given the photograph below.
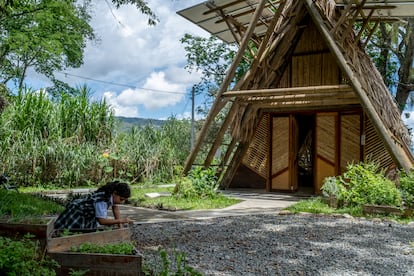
(79, 215)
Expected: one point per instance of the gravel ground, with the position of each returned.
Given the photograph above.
(283, 245)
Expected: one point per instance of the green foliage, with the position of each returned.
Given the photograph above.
(16, 205)
(45, 35)
(333, 186)
(367, 185)
(44, 141)
(48, 35)
(70, 141)
(123, 248)
(407, 188)
(24, 257)
(176, 267)
(200, 183)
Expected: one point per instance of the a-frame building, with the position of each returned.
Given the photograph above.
(311, 102)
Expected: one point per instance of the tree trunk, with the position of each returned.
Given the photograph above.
(405, 77)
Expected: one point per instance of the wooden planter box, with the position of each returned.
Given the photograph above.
(386, 210)
(41, 231)
(36, 228)
(96, 264)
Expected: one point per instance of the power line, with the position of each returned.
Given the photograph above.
(121, 84)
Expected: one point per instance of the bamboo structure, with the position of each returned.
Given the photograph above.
(309, 78)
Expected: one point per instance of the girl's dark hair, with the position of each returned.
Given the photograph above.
(122, 189)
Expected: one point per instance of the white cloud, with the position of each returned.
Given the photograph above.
(145, 58)
(156, 93)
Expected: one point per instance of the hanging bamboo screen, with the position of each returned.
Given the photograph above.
(374, 149)
(350, 140)
(280, 144)
(325, 135)
(256, 157)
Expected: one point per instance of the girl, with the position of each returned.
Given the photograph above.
(84, 214)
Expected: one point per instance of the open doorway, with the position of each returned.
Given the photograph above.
(305, 156)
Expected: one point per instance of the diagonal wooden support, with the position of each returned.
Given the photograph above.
(218, 103)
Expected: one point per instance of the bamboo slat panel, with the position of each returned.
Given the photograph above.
(331, 73)
(306, 70)
(326, 136)
(257, 155)
(350, 140)
(375, 149)
(310, 41)
(280, 144)
(285, 80)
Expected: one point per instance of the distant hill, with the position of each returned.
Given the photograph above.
(126, 123)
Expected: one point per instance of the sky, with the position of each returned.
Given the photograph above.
(138, 69)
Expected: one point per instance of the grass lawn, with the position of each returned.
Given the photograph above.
(171, 202)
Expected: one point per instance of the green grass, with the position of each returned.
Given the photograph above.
(315, 205)
(139, 199)
(172, 202)
(14, 205)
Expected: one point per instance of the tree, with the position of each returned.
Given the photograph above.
(47, 35)
(392, 50)
(211, 57)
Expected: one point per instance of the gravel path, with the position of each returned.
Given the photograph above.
(283, 245)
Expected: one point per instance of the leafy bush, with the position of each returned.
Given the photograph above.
(200, 183)
(333, 186)
(366, 184)
(23, 257)
(407, 188)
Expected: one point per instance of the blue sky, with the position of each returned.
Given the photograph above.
(139, 69)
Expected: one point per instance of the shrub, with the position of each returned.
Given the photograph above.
(407, 188)
(366, 184)
(333, 186)
(23, 257)
(200, 182)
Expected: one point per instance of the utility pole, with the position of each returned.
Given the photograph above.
(192, 116)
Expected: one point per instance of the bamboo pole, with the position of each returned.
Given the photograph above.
(289, 91)
(398, 154)
(218, 104)
(220, 134)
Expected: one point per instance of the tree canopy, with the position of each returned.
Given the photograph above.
(48, 35)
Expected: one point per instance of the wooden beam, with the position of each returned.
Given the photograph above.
(399, 155)
(220, 134)
(302, 97)
(308, 103)
(218, 104)
(289, 91)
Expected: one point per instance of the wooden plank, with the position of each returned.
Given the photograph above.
(97, 264)
(101, 237)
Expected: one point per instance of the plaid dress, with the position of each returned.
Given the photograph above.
(80, 213)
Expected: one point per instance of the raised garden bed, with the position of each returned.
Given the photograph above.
(95, 264)
(39, 228)
(387, 210)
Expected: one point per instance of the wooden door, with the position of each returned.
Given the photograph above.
(326, 148)
(284, 151)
